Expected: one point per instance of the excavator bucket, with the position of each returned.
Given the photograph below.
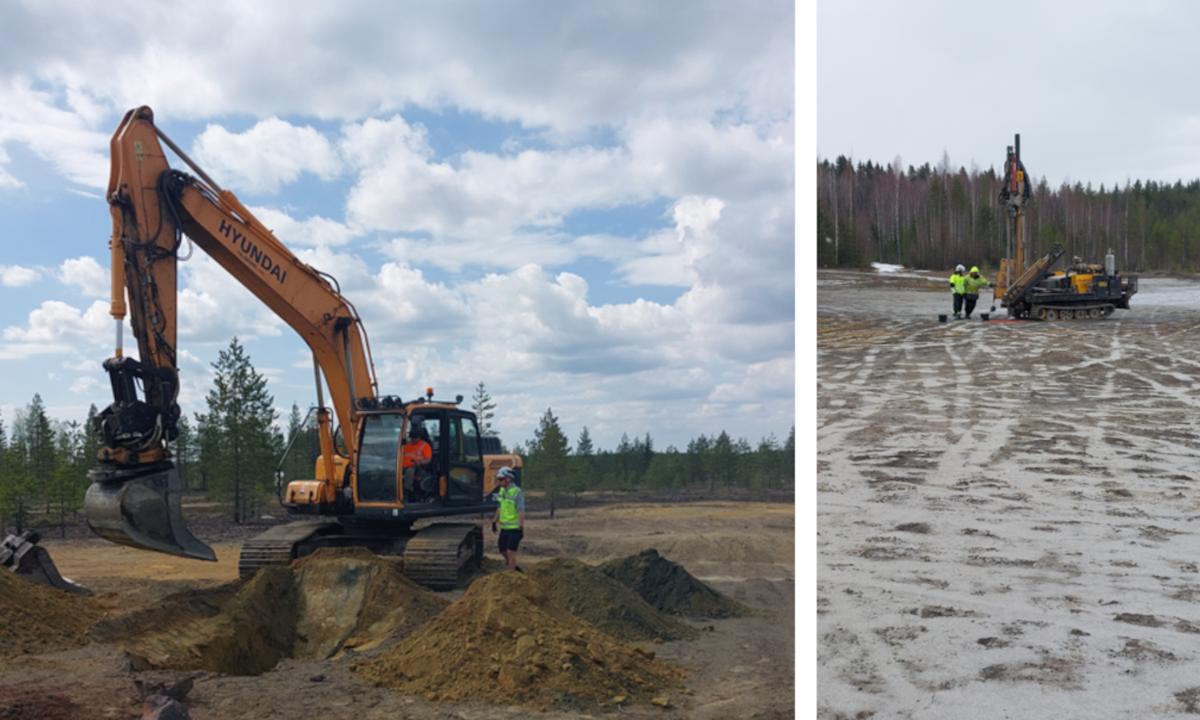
(22, 555)
(141, 508)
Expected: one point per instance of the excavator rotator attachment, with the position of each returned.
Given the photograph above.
(140, 507)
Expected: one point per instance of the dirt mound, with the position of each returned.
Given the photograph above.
(506, 640)
(670, 588)
(329, 602)
(604, 602)
(35, 618)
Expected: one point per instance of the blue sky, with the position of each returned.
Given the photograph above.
(581, 211)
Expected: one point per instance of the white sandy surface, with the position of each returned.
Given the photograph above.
(1007, 512)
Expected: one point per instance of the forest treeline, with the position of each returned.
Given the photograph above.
(229, 454)
(937, 216)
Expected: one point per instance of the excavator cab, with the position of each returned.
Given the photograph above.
(389, 480)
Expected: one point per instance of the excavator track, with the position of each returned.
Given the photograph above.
(437, 556)
(278, 545)
(1074, 312)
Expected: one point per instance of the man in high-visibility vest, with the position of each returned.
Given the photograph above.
(971, 284)
(956, 287)
(510, 515)
(415, 459)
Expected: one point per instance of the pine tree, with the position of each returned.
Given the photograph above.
(548, 464)
(6, 480)
(624, 458)
(788, 457)
(20, 492)
(585, 462)
(698, 460)
(40, 449)
(305, 447)
(484, 408)
(68, 483)
(766, 464)
(184, 449)
(91, 438)
(723, 461)
(240, 418)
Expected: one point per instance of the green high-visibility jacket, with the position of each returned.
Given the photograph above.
(971, 285)
(510, 514)
(956, 282)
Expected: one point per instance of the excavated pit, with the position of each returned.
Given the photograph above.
(560, 635)
(670, 588)
(320, 607)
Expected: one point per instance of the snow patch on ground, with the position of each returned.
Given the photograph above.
(886, 267)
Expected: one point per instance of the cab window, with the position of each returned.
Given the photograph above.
(377, 458)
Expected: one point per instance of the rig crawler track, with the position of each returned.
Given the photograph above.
(436, 556)
(1073, 312)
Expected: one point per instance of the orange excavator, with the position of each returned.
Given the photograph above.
(362, 493)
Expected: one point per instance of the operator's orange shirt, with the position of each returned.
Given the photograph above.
(416, 453)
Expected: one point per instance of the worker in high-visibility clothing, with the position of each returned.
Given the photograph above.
(956, 287)
(510, 515)
(415, 462)
(971, 284)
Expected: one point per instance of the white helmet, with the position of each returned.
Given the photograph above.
(505, 472)
(959, 268)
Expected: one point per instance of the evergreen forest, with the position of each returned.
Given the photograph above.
(934, 217)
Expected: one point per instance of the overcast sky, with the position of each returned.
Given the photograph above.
(587, 206)
(1099, 91)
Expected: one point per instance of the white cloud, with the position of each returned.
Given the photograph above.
(608, 114)
(213, 306)
(56, 327)
(568, 67)
(66, 138)
(85, 274)
(85, 384)
(265, 157)
(18, 275)
(314, 231)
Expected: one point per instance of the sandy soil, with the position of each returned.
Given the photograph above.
(737, 668)
(1006, 511)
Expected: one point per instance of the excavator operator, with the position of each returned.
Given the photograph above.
(415, 461)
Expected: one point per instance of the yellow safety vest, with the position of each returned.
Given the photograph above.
(957, 281)
(972, 285)
(510, 519)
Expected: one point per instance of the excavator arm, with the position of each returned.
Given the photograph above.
(134, 498)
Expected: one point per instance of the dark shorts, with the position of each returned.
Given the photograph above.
(510, 539)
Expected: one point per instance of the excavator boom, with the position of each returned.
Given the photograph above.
(134, 497)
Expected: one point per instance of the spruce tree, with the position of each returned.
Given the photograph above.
(484, 408)
(240, 419)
